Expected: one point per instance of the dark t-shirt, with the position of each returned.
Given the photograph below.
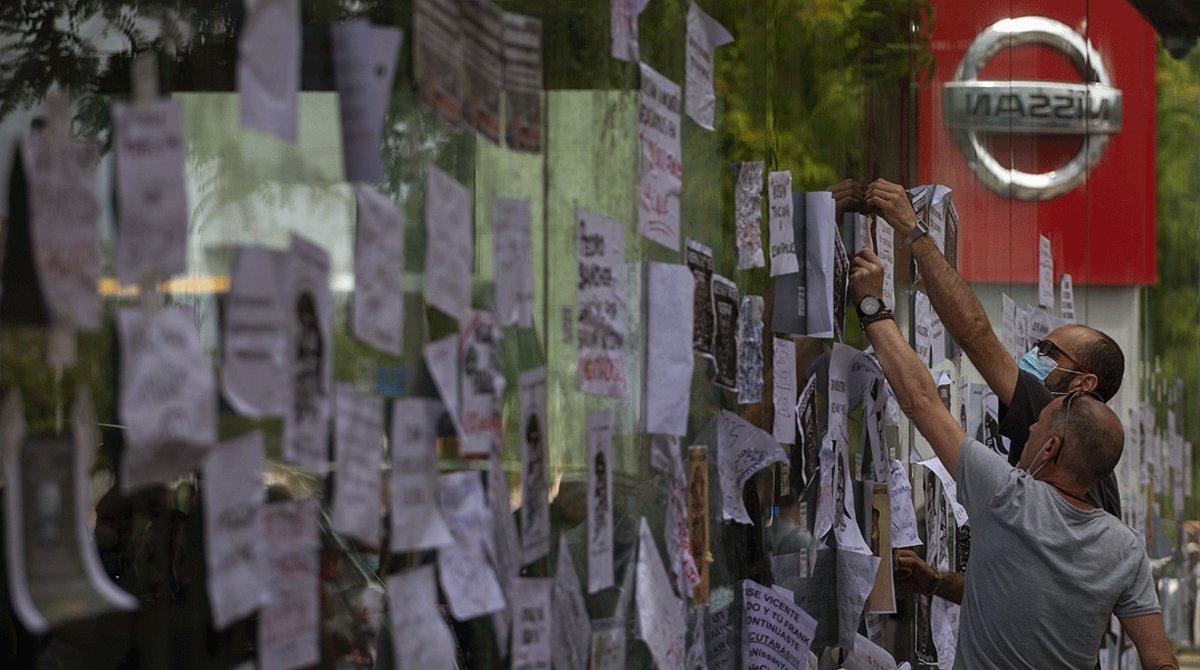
(1030, 397)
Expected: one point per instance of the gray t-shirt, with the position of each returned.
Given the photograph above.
(1044, 576)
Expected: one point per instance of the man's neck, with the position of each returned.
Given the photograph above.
(1070, 492)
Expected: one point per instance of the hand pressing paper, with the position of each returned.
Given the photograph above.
(358, 423)
(421, 640)
(289, 625)
(233, 495)
(742, 450)
(268, 71)
(54, 573)
(416, 517)
(378, 299)
(364, 64)
(168, 399)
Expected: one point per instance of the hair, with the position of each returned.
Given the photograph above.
(1096, 438)
(1102, 357)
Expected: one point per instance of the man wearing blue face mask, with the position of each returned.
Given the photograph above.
(1071, 358)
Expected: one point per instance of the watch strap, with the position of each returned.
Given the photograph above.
(885, 313)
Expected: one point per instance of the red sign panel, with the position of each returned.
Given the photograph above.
(1103, 229)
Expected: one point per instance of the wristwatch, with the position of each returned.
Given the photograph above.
(921, 229)
(871, 309)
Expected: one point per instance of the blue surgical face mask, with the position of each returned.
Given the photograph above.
(1037, 365)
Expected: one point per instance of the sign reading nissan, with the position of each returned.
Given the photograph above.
(1091, 109)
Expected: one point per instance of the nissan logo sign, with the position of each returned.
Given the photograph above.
(1091, 109)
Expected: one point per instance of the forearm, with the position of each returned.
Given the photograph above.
(950, 586)
(904, 371)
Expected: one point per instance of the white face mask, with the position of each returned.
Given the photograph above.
(1033, 474)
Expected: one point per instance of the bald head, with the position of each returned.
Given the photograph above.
(1093, 438)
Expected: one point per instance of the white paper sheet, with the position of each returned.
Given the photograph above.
(782, 233)
(624, 27)
(903, 517)
(949, 487)
(676, 533)
(855, 578)
(513, 262)
(742, 450)
(442, 361)
(152, 198)
(1066, 298)
(1045, 273)
(670, 301)
(254, 347)
(659, 611)
(532, 619)
(310, 357)
(359, 443)
(438, 57)
(704, 36)
(483, 66)
(416, 517)
(599, 500)
(467, 577)
(937, 339)
(750, 350)
(868, 656)
(726, 301)
(720, 645)
(233, 494)
(168, 401)
(661, 178)
(364, 64)
(535, 467)
(378, 307)
(608, 645)
(922, 324)
(784, 393)
(480, 387)
(944, 620)
(1008, 325)
(601, 306)
(747, 213)
(886, 243)
(572, 629)
(449, 248)
(289, 626)
(776, 633)
(523, 82)
(820, 228)
(64, 210)
(268, 67)
(420, 637)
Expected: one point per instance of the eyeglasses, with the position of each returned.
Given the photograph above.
(1047, 348)
(1067, 400)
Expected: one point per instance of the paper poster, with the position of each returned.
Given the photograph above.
(808, 435)
(535, 466)
(416, 518)
(747, 209)
(289, 626)
(1045, 273)
(882, 599)
(697, 509)
(608, 645)
(750, 350)
(726, 299)
(676, 539)
(820, 228)
(784, 381)
(532, 619)
(64, 211)
(54, 572)
(840, 362)
(776, 633)
(513, 262)
(836, 594)
(720, 645)
(483, 66)
(358, 439)
(1066, 299)
(782, 233)
(992, 438)
(704, 36)
(1041, 322)
(467, 578)
(480, 386)
(624, 28)
(699, 260)
(364, 65)
(602, 306)
(419, 634)
(868, 656)
(268, 67)
(841, 283)
(168, 401)
(669, 343)
(572, 629)
(789, 314)
(438, 57)
(885, 241)
(506, 547)
(152, 198)
(949, 487)
(659, 612)
(254, 345)
(378, 298)
(233, 494)
(661, 183)
(944, 621)
(599, 500)
(922, 323)
(442, 361)
(742, 450)
(902, 516)
(697, 654)
(523, 82)
(845, 517)
(449, 248)
(309, 357)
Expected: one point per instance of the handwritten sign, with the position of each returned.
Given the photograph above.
(742, 450)
(704, 35)
(358, 423)
(601, 306)
(661, 182)
(776, 633)
(449, 248)
(782, 232)
(747, 211)
(289, 626)
(233, 493)
(535, 465)
(254, 346)
(378, 300)
(668, 347)
(659, 611)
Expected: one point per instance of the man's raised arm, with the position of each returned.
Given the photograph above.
(949, 294)
(908, 376)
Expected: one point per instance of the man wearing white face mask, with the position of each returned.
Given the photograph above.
(1048, 569)
(1071, 357)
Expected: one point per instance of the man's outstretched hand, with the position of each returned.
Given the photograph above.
(911, 573)
(891, 202)
(866, 276)
(848, 195)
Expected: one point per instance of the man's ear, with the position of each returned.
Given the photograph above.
(1087, 382)
(1054, 445)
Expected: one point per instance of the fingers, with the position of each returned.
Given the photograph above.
(868, 256)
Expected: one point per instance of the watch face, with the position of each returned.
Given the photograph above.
(869, 306)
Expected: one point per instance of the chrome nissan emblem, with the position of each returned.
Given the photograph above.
(1091, 109)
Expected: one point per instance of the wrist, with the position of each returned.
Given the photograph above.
(937, 581)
